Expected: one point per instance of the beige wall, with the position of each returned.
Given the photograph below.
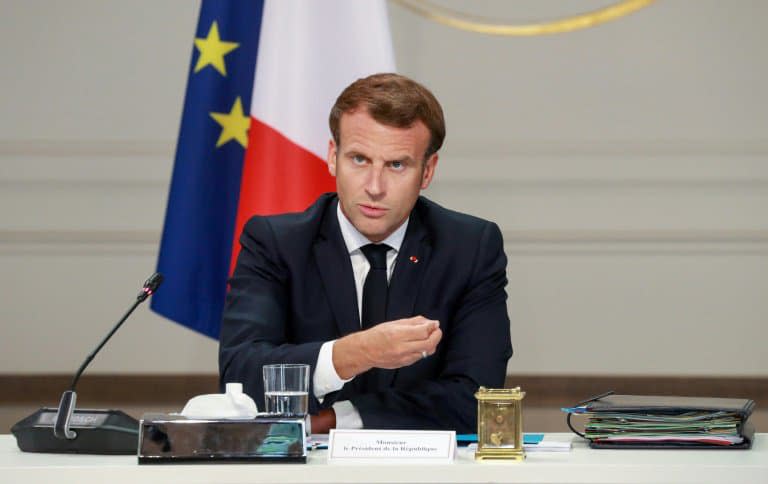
(627, 166)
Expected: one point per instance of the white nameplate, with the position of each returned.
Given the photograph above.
(402, 446)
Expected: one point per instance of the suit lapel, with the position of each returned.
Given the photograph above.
(411, 264)
(404, 286)
(336, 273)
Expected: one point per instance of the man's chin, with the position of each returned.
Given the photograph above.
(374, 234)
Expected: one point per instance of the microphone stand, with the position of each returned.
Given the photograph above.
(69, 398)
(101, 431)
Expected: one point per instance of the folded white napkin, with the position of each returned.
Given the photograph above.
(233, 404)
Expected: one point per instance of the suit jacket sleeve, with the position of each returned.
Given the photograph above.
(474, 351)
(254, 325)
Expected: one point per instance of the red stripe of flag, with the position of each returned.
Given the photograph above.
(278, 176)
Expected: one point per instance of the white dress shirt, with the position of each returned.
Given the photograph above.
(326, 379)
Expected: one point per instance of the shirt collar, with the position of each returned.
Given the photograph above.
(353, 239)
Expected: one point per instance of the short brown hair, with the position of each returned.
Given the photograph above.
(393, 100)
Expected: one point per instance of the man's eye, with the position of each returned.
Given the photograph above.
(398, 165)
(358, 159)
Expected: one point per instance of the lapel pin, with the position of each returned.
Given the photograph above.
(414, 259)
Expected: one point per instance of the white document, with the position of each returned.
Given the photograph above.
(401, 446)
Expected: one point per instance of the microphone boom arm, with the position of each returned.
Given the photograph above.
(68, 399)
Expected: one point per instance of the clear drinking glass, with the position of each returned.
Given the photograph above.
(286, 388)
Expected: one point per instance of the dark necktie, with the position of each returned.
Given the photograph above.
(375, 287)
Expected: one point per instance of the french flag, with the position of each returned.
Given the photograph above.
(254, 132)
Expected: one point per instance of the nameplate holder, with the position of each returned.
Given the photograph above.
(400, 446)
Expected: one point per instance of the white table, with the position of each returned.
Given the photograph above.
(580, 465)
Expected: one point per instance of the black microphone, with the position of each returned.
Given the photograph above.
(84, 431)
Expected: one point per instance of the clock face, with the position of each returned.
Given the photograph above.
(498, 425)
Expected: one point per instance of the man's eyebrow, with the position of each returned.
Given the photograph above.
(354, 151)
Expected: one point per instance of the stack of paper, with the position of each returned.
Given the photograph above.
(704, 427)
(664, 422)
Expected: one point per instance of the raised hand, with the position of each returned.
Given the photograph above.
(389, 345)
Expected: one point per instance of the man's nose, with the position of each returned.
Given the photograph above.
(375, 185)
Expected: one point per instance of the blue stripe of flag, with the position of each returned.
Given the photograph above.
(200, 217)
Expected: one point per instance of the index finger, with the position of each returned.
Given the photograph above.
(416, 320)
(420, 331)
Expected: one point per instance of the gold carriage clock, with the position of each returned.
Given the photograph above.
(499, 424)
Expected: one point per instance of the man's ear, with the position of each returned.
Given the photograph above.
(429, 171)
(331, 158)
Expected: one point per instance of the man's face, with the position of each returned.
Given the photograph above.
(379, 172)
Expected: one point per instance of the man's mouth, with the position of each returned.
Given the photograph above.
(372, 210)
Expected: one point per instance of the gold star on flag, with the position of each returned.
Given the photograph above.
(234, 125)
(212, 50)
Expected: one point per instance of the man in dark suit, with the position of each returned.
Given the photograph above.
(396, 303)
